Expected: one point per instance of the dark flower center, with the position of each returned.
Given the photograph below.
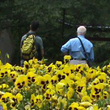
(79, 89)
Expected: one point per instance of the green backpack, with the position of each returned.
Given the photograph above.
(29, 49)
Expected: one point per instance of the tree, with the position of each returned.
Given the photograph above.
(17, 15)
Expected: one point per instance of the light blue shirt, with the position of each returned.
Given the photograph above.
(74, 47)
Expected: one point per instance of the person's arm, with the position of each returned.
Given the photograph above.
(42, 52)
(65, 48)
(41, 47)
(21, 43)
(21, 58)
(92, 54)
(22, 40)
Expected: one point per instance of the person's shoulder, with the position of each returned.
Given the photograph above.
(74, 39)
(89, 42)
(38, 37)
(23, 37)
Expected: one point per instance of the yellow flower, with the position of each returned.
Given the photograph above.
(31, 62)
(47, 78)
(67, 59)
(108, 107)
(16, 100)
(19, 97)
(3, 105)
(21, 82)
(72, 76)
(13, 75)
(74, 106)
(97, 88)
(95, 97)
(63, 102)
(19, 70)
(38, 100)
(81, 108)
(33, 70)
(6, 97)
(108, 66)
(41, 82)
(32, 100)
(8, 66)
(4, 86)
(58, 64)
(72, 68)
(67, 71)
(42, 67)
(14, 91)
(105, 95)
(93, 107)
(31, 76)
(27, 107)
(13, 102)
(96, 81)
(81, 85)
(78, 76)
(85, 104)
(79, 68)
(1, 63)
(49, 93)
(60, 88)
(108, 81)
(79, 88)
(4, 72)
(86, 99)
(35, 61)
(54, 98)
(1, 93)
(104, 68)
(26, 65)
(70, 93)
(36, 66)
(60, 75)
(102, 77)
(51, 68)
(91, 74)
(82, 93)
(54, 79)
(50, 86)
(68, 81)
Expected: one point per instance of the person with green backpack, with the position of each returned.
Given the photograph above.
(31, 45)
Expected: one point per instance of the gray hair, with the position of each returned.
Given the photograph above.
(81, 30)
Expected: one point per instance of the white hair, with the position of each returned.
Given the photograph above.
(81, 30)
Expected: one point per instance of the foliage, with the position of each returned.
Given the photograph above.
(17, 15)
(102, 51)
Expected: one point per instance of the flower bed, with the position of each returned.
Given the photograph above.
(58, 86)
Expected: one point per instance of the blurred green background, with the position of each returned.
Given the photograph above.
(58, 20)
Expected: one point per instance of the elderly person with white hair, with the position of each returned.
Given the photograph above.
(80, 49)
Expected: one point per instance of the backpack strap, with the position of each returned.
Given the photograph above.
(30, 34)
(83, 48)
(27, 34)
(85, 53)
